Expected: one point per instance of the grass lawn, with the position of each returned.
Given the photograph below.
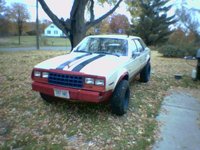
(29, 41)
(26, 122)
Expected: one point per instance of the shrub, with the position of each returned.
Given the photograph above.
(170, 50)
(180, 44)
(33, 32)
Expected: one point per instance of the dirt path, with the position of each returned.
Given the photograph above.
(179, 121)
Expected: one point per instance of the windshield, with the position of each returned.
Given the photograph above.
(103, 45)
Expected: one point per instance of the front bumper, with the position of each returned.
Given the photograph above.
(75, 94)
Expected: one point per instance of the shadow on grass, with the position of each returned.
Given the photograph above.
(85, 108)
(82, 108)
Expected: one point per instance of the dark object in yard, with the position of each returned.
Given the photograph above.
(178, 76)
(198, 64)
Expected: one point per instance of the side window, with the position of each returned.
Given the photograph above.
(133, 46)
(139, 46)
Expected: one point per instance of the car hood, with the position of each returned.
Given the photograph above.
(93, 64)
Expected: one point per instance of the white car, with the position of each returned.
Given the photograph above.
(98, 69)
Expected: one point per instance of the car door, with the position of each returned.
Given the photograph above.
(143, 52)
(134, 62)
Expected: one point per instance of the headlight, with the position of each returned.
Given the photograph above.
(89, 80)
(37, 74)
(99, 82)
(45, 74)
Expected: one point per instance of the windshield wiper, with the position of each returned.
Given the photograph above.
(104, 52)
(82, 51)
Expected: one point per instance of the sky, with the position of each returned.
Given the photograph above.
(63, 9)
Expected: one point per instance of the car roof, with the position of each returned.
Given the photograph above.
(116, 36)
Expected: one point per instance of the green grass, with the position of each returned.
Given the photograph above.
(31, 123)
(28, 41)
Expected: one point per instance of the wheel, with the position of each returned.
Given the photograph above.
(47, 98)
(145, 73)
(120, 98)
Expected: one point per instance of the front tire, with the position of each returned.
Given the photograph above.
(120, 98)
(145, 73)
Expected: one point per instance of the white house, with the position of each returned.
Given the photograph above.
(53, 31)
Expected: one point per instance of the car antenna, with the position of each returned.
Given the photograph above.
(128, 33)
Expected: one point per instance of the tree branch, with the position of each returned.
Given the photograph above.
(74, 8)
(92, 10)
(63, 25)
(92, 23)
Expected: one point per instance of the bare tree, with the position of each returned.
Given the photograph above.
(76, 26)
(18, 13)
(188, 20)
(4, 23)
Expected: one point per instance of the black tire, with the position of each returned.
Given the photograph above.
(120, 98)
(145, 73)
(47, 98)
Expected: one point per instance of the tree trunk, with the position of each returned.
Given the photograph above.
(78, 30)
(19, 31)
(76, 25)
(19, 39)
(77, 35)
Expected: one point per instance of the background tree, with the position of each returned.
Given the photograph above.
(103, 27)
(4, 23)
(134, 9)
(189, 21)
(2, 6)
(185, 39)
(76, 26)
(18, 13)
(153, 22)
(119, 24)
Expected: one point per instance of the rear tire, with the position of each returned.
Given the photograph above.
(47, 98)
(145, 73)
(120, 98)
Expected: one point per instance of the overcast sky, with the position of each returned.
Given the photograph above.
(62, 8)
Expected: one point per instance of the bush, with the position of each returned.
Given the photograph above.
(170, 50)
(180, 44)
(31, 32)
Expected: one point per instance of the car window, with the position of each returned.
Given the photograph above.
(142, 43)
(139, 46)
(133, 46)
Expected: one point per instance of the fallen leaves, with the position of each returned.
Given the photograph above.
(34, 124)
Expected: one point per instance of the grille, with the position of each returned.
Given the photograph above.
(65, 80)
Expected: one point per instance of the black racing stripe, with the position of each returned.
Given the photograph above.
(86, 62)
(62, 66)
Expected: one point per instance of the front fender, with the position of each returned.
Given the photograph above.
(115, 78)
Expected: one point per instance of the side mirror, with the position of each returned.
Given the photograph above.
(135, 54)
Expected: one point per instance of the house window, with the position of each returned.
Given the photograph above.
(48, 32)
(55, 32)
(52, 26)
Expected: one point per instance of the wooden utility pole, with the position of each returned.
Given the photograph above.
(37, 27)
(198, 64)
